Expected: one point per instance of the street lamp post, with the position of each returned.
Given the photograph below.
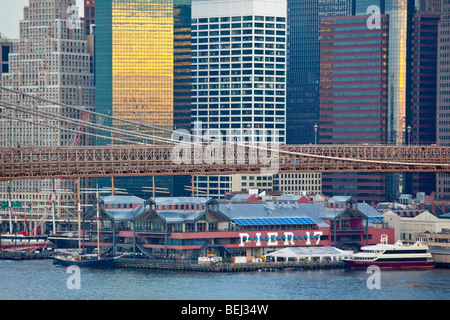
(315, 133)
(409, 135)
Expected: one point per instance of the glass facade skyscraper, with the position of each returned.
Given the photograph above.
(422, 94)
(393, 65)
(303, 67)
(182, 65)
(443, 97)
(400, 14)
(353, 97)
(142, 54)
(134, 60)
(400, 24)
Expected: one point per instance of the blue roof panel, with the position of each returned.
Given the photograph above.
(273, 221)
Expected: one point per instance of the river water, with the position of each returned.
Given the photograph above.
(41, 280)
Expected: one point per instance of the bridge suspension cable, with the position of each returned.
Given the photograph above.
(152, 137)
(115, 130)
(69, 130)
(83, 109)
(89, 124)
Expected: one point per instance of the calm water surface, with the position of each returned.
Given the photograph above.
(41, 280)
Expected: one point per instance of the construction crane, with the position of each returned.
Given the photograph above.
(27, 229)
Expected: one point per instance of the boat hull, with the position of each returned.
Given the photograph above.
(102, 263)
(389, 264)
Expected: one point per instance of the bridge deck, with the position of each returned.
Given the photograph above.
(138, 160)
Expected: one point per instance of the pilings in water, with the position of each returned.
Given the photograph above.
(229, 267)
(19, 255)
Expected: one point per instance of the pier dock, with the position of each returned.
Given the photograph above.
(229, 267)
(20, 255)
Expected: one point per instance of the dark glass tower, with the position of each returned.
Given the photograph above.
(303, 67)
(423, 94)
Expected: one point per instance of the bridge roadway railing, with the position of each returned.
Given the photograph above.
(140, 160)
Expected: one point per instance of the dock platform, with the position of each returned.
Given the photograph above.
(229, 267)
(25, 256)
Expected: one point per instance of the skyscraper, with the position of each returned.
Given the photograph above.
(422, 94)
(50, 60)
(443, 96)
(142, 56)
(239, 71)
(400, 14)
(134, 60)
(353, 97)
(392, 102)
(303, 65)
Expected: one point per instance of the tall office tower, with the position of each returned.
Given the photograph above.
(423, 79)
(239, 71)
(412, 67)
(182, 65)
(50, 60)
(353, 102)
(142, 69)
(400, 14)
(443, 96)
(400, 32)
(402, 100)
(303, 67)
(421, 117)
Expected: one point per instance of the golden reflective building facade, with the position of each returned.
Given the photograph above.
(142, 63)
(143, 60)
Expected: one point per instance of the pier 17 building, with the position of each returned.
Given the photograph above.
(186, 228)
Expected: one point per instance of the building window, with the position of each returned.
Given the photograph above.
(201, 226)
(212, 226)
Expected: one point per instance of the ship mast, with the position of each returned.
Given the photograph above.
(98, 226)
(79, 215)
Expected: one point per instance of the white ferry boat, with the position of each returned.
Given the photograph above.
(396, 255)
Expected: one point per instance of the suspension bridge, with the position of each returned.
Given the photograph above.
(137, 149)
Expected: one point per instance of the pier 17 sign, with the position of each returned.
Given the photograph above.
(286, 238)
